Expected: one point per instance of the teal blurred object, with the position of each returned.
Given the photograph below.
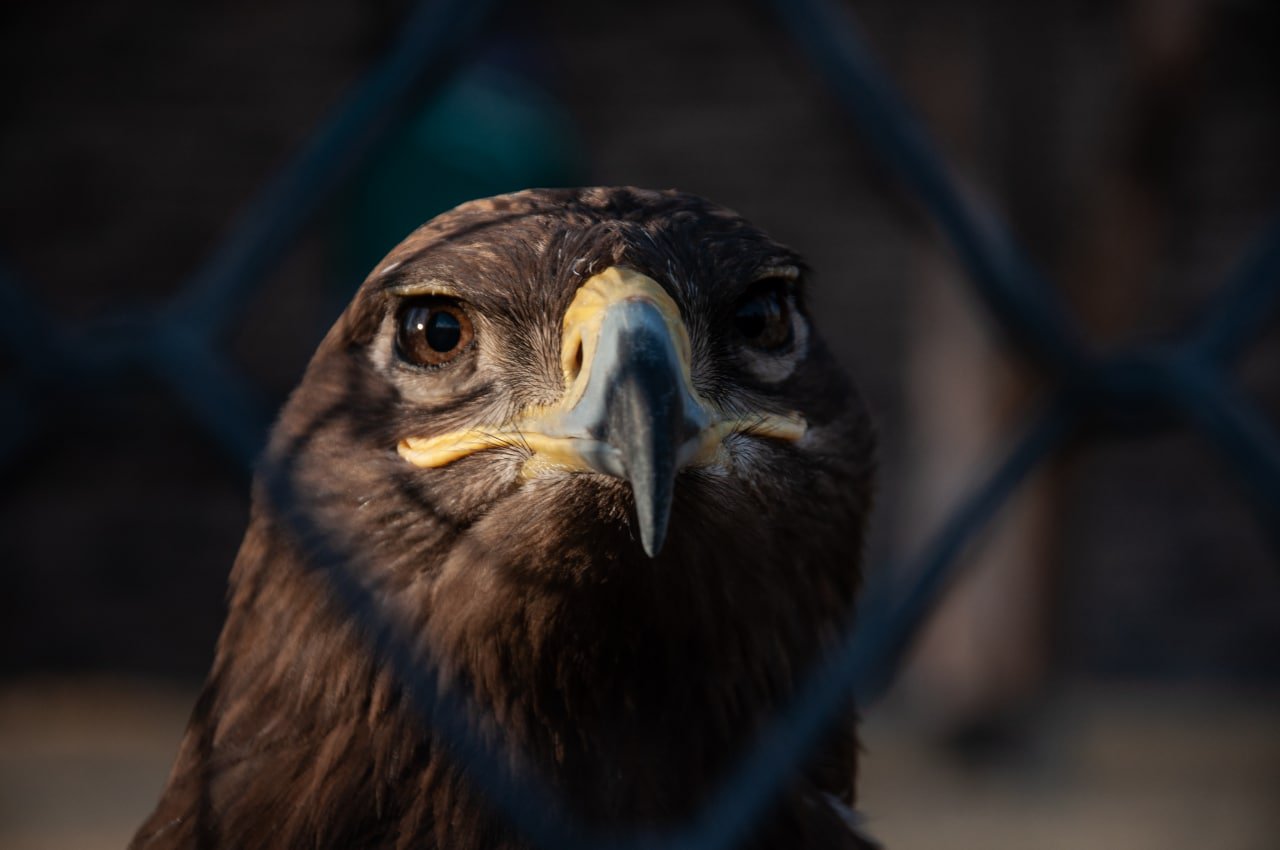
(489, 131)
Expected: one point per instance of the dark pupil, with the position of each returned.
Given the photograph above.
(759, 315)
(443, 331)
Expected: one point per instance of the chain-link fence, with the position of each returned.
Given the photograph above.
(178, 342)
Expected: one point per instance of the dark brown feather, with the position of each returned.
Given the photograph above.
(628, 686)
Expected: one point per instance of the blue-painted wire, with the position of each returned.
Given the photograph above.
(865, 660)
(177, 349)
(429, 47)
(1244, 304)
(1241, 434)
(1026, 306)
(219, 400)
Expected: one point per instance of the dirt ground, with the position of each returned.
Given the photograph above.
(81, 761)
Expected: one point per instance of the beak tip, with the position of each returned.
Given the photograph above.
(651, 539)
(653, 517)
(653, 511)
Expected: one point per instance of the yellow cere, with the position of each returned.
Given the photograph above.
(585, 315)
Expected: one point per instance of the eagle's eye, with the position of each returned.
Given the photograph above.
(432, 330)
(763, 316)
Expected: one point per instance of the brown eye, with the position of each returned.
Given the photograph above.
(432, 331)
(763, 317)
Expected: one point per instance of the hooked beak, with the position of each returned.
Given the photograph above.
(629, 408)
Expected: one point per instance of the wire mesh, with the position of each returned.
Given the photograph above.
(179, 342)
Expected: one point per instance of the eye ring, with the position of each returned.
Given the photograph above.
(762, 317)
(432, 330)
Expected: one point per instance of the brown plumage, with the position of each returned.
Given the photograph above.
(629, 685)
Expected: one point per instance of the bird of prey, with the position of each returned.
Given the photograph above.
(595, 460)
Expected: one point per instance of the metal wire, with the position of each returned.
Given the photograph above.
(176, 344)
(430, 43)
(1027, 307)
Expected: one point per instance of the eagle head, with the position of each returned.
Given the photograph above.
(595, 458)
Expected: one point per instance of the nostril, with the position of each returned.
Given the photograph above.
(575, 365)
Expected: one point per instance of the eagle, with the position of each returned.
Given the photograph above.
(595, 460)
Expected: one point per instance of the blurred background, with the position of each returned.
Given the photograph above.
(1106, 669)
